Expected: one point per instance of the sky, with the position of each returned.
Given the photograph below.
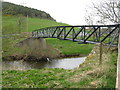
(66, 11)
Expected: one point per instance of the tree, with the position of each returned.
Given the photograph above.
(89, 18)
(106, 12)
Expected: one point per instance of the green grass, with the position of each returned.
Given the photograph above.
(89, 75)
(70, 47)
(35, 23)
(11, 24)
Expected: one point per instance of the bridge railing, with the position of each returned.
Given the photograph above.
(83, 34)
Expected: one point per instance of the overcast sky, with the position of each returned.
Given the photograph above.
(67, 11)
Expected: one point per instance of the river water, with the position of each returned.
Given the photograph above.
(66, 63)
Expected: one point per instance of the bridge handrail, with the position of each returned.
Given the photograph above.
(79, 26)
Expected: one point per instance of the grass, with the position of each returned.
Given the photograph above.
(8, 46)
(35, 23)
(11, 24)
(89, 75)
(69, 47)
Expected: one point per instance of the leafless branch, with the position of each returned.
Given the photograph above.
(107, 11)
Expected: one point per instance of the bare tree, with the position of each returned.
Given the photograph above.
(89, 18)
(106, 11)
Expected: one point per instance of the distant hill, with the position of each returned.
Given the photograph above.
(13, 9)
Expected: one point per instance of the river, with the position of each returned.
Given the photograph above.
(65, 63)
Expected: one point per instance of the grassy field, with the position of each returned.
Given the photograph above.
(17, 24)
(14, 24)
(89, 75)
(70, 47)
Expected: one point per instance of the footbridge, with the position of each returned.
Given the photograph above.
(107, 34)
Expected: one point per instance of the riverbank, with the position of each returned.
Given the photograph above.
(88, 75)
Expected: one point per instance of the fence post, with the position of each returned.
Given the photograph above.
(101, 52)
(118, 63)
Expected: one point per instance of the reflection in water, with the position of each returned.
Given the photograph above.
(66, 63)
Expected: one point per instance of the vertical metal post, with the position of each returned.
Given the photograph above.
(58, 32)
(93, 35)
(99, 34)
(73, 34)
(84, 34)
(55, 32)
(64, 32)
(101, 52)
(109, 38)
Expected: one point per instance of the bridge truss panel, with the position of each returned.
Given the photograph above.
(83, 34)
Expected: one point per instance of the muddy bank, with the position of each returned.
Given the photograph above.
(72, 55)
(25, 58)
(33, 58)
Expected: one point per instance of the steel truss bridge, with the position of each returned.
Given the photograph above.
(107, 34)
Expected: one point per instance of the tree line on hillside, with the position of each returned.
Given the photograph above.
(13, 9)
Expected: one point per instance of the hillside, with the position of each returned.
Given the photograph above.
(13, 9)
(17, 24)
